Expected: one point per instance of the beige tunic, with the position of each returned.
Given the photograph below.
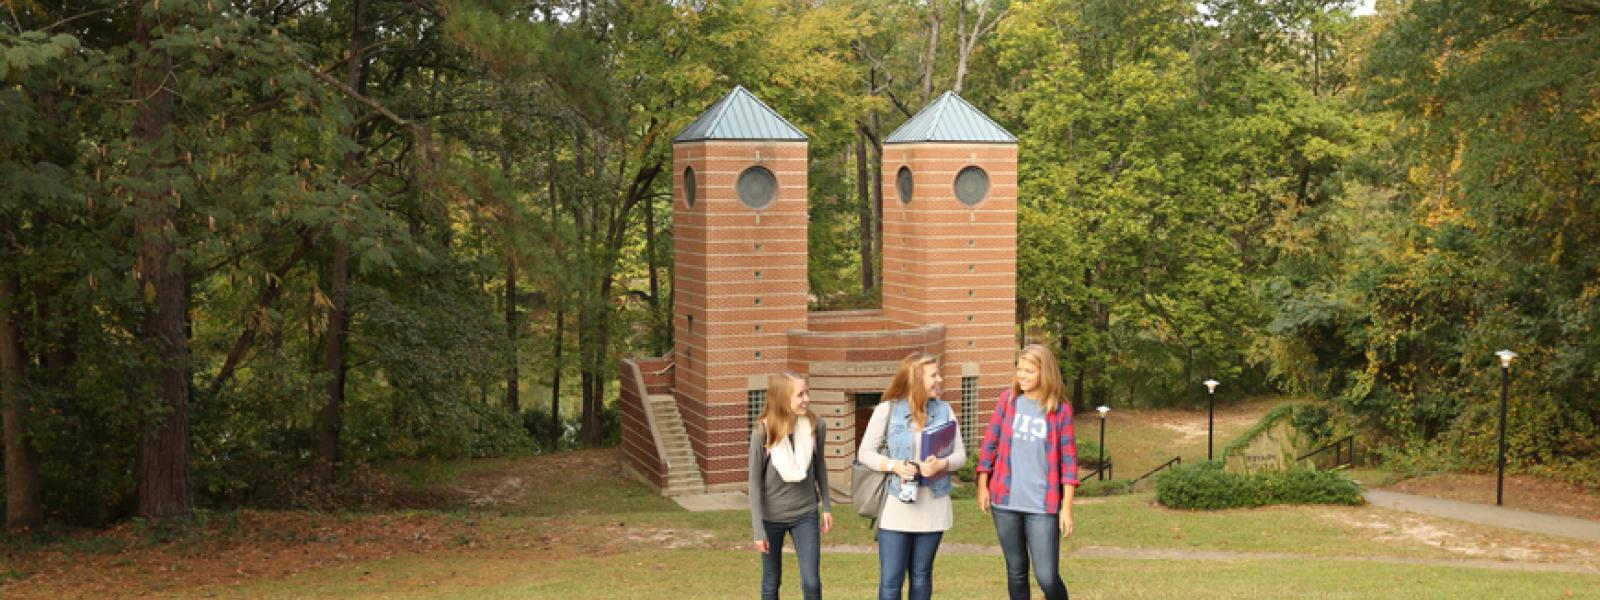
(928, 514)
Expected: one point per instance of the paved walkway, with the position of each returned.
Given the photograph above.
(1113, 552)
(730, 501)
(1496, 516)
(705, 502)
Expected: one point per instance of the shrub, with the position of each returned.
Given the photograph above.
(1207, 486)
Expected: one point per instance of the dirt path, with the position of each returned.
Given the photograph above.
(1116, 553)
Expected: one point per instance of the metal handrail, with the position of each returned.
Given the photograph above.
(1176, 460)
(1346, 458)
(1105, 468)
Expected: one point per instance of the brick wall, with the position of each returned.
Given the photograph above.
(638, 440)
(741, 278)
(844, 363)
(950, 263)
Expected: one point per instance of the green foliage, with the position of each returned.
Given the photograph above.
(1158, 146)
(1278, 195)
(1267, 421)
(1466, 225)
(1207, 486)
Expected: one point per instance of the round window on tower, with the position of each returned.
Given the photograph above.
(757, 187)
(903, 182)
(972, 185)
(688, 186)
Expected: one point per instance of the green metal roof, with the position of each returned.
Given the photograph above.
(950, 119)
(739, 116)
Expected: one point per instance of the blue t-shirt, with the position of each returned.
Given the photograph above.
(1029, 464)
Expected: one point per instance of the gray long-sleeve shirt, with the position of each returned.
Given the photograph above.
(779, 501)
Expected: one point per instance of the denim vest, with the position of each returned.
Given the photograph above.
(901, 440)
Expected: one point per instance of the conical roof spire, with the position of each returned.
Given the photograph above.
(950, 119)
(740, 116)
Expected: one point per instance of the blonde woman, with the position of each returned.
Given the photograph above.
(788, 476)
(909, 532)
(1027, 473)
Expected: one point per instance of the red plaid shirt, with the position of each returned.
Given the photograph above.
(995, 456)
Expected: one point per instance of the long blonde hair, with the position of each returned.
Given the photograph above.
(1052, 392)
(907, 384)
(778, 417)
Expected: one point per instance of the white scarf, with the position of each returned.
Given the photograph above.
(792, 456)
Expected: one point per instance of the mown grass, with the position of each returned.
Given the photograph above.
(730, 574)
(1123, 521)
(1139, 439)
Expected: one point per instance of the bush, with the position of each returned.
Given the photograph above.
(1207, 486)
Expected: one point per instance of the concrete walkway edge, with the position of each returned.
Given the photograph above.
(1494, 516)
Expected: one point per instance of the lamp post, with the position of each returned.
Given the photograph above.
(1506, 356)
(1103, 410)
(1211, 406)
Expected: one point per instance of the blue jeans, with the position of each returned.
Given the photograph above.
(807, 548)
(1030, 534)
(900, 553)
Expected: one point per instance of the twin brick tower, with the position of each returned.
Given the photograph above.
(740, 289)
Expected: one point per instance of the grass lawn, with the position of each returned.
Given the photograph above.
(574, 526)
(618, 548)
(1121, 521)
(730, 574)
(1141, 439)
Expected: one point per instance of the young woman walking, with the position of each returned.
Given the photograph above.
(909, 532)
(1027, 473)
(788, 476)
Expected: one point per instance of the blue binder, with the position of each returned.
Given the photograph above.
(939, 440)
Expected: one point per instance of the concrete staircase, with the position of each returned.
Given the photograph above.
(683, 473)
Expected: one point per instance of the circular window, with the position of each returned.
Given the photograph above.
(903, 182)
(688, 186)
(972, 185)
(757, 186)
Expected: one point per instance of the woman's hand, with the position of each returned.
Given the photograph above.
(983, 499)
(932, 466)
(761, 546)
(905, 469)
(1066, 524)
(827, 521)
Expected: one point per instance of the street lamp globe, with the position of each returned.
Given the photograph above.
(1506, 356)
(1103, 410)
(1211, 385)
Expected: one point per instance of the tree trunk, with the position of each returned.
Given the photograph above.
(561, 313)
(930, 57)
(331, 421)
(163, 471)
(865, 197)
(588, 341)
(555, 385)
(663, 343)
(23, 509)
(963, 49)
(513, 387)
(967, 39)
(876, 166)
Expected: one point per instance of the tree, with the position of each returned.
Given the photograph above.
(165, 491)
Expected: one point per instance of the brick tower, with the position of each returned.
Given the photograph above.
(950, 245)
(739, 242)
